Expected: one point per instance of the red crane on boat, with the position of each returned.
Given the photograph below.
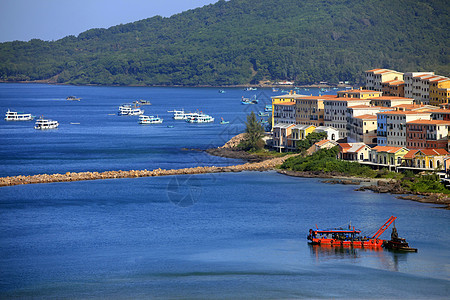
(348, 237)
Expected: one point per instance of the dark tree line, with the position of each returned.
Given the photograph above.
(245, 41)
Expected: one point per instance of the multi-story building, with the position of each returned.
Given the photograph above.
(335, 114)
(280, 135)
(298, 133)
(412, 84)
(393, 88)
(421, 87)
(390, 101)
(427, 134)
(363, 129)
(440, 114)
(440, 91)
(391, 127)
(291, 97)
(284, 112)
(310, 110)
(359, 94)
(375, 77)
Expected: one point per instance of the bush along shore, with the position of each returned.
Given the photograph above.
(323, 164)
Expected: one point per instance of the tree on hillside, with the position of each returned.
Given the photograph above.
(254, 133)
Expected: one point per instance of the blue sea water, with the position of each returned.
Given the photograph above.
(219, 236)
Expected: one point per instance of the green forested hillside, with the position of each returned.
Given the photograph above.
(245, 41)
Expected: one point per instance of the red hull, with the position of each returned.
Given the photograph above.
(371, 243)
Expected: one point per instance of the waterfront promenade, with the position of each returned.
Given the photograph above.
(71, 176)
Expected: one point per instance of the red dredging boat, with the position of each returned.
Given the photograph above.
(350, 237)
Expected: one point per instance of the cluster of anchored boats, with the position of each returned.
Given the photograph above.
(351, 237)
(41, 123)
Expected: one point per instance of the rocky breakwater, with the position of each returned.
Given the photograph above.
(69, 176)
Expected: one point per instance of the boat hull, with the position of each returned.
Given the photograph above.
(370, 243)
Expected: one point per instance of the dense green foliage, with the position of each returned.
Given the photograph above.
(254, 133)
(325, 161)
(310, 140)
(425, 184)
(245, 41)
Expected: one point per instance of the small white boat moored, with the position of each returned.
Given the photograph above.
(200, 118)
(16, 116)
(149, 120)
(129, 110)
(42, 124)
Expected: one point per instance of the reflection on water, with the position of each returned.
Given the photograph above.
(381, 258)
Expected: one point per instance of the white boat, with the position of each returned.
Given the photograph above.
(42, 123)
(129, 110)
(135, 112)
(15, 116)
(149, 120)
(178, 114)
(200, 118)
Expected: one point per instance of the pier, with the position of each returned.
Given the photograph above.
(80, 176)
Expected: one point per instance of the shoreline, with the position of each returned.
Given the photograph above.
(376, 185)
(313, 85)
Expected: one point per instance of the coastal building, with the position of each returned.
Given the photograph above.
(298, 133)
(425, 159)
(354, 151)
(426, 134)
(291, 97)
(412, 89)
(386, 156)
(363, 129)
(359, 94)
(421, 86)
(440, 91)
(284, 112)
(390, 101)
(332, 133)
(280, 135)
(323, 144)
(393, 88)
(375, 78)
(440, 114)
(310, 110)
(335, 112)
(393, 125)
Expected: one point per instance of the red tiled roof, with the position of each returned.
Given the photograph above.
(408, 112)
(285, 103)
(430, 122)
(322, 142)
(411, 154)
(434, 152)
(387, 149)
(366, 117)
(391, 98)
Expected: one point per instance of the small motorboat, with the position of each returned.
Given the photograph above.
(73, 98)
(397, 243)
(224, 122)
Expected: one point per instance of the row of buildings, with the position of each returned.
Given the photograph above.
(380, 115)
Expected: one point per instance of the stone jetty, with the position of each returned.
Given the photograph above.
(70, 176)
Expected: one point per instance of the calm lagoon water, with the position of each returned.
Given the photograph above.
(220, 236)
